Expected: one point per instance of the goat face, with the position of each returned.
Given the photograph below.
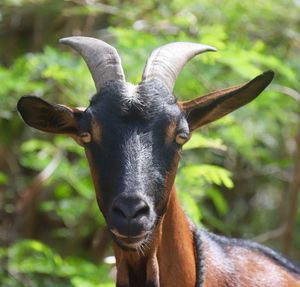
(132, 152)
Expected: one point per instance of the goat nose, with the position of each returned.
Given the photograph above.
(130, 208)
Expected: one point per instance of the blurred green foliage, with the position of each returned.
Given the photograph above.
(234, 174)
(44, 267)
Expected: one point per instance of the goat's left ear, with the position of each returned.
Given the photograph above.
(215, 105)
(47, 117)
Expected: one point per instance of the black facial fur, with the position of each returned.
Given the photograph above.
(133, 159)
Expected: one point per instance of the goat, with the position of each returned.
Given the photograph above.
(133, 136)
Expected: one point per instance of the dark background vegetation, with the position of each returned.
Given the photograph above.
(239, 176)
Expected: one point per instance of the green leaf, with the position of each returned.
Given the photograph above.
(218, 200)
(211, 173)
(32, 256)
(200, 141)
(3, 178)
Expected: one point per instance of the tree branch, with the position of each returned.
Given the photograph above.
(26, 205)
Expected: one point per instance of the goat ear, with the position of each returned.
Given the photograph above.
(215, 105)
(47, 117)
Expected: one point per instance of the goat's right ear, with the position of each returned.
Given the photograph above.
(47, 117)
(215, 105)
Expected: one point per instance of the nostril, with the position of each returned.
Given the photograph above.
(143, 211)
(118, 211)
(126, 209)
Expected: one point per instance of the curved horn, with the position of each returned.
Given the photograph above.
(165, 63)
(102, 59)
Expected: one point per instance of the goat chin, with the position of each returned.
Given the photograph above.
(131, 243)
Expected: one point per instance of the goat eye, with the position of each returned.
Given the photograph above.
(85, 137)
(181, 138)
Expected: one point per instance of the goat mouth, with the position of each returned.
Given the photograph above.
(132, 243)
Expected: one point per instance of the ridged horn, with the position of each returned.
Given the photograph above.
(102, 59)
(165, 63)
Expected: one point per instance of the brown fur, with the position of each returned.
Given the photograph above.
(96, 131)
(95, 178)
(170, 132)
(176, 253)
(241, 267)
